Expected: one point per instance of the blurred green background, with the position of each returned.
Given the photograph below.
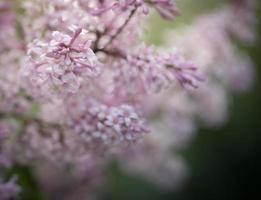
(224, 163)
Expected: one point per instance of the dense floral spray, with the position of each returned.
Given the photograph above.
(79, 88)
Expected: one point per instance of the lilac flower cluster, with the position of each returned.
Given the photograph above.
(8, 189)
(150, 70)
(166, 8)
(226, 68)
(108, 124)
(78, 88)
(63, 63)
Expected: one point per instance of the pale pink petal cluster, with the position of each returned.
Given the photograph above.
(65, 62)
(148, 69)
(166, 8)
(78, 89)
(8, 189)
(100, 123)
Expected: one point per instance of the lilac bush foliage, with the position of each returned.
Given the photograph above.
(79, 88)
(8, 188)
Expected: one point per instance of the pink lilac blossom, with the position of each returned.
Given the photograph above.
(66, 61)
(225, 69)
(166, 8)
(6, 17)
(56, 185)
(213, 32)
(219, 50)
(149, 70)
(156, 164)
(7, 23)
(4, 161)
(78, 89)
(108, 124)
(8, 189)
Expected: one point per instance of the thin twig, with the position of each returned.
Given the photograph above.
(120, 29)
(115, 54)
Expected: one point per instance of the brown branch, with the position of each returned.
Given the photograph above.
(120, 29)
(116, 53)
